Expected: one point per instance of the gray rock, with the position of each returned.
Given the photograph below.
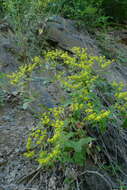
(10, 52)
(46, 94)
(63, 32)
(9, 62)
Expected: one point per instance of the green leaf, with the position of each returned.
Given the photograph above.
(65, 157)
(25, 105)
(78, 145)
(68, 102)
(82, 142)
(79, 158)
(124, 125)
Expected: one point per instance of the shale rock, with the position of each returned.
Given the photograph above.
(64, 33)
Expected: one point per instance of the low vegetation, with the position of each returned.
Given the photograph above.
(63, 132)
(91, 12)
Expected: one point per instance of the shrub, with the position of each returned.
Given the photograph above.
(116, 9)
(88, 12)
(62, 133)
(24, 16)
(93, 13)
(23, 13)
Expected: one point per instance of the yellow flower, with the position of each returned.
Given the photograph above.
(29, 154)
(121, 95)
(89, 110)
(29, 142)
(37, 59)
(90, 117)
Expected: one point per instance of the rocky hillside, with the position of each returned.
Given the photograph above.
(21, 107)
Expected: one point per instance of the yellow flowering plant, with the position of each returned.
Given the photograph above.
(21, 80)
(55, 140)
(62, 133)
(23, 73)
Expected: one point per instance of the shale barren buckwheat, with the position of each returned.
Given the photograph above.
(62, 133)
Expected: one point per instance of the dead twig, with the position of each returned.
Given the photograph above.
(30, 177)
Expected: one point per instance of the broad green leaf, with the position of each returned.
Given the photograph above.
(124, 125)
(82, 142)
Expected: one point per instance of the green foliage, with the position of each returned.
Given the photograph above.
(23, 73)
(21, 80)
(22, 13)
(57, 138)
(24, 16)
(116, 9)
(92, 13)
(88, 12)
(62, 133)
(1, 8)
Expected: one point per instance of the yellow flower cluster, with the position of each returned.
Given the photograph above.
(57, 125)
(73, 85)
(76, 107)
(121, 95)
(118, 86)
(29, 142)
(21, 74)
(37, 60)
(57, 111)
(97, 117)
(83, 78)
(47, 159)
(121, 108)
(29, 154)
(40, 136)
(86, 106)
(45, 119)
